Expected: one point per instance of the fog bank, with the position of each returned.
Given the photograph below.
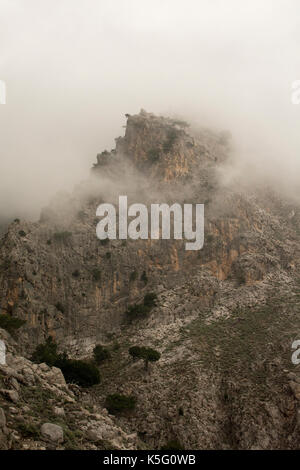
(73, 69)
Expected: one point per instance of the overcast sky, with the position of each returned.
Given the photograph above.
(73, 68)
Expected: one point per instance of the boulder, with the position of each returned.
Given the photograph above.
(58, 411)
(52, 432)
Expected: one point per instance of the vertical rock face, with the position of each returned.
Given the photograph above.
(225, 316)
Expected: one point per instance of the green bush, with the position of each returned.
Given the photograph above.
(135, 352)
(29, 430)
(22, 233)
(46, 352)
(147, 354)
(82, 373)
(76, 273)
(100, 354)
(138, 311)
(60, 307)
(150, 300)
(119, 403)
(10, 324)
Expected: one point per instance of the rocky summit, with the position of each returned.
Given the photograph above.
(222, 320)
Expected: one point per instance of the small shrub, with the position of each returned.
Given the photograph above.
(96, 274)
(133, 276)
(135, 312)
(108, 255)
(153, 155)
(150, 300)
(46, 352)
(138, 311)
(29, 430)
(22, 233)
(60, 307)
(100, 354)
(10, 324)
(76, 274)
(119, 403)
(62, 236)
(171, 138)
(104, 242)
(144, 277)
(173, 445)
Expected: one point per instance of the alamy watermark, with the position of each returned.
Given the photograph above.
(2, 353)
(2, 92)
(296, 353)
(185, 221)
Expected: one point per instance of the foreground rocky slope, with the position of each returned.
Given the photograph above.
(225, 318)
(39, 411)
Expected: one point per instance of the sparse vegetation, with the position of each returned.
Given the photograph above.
(60, 307)
(81, 216)
(138, 311)
(173, 445)
(144, 277)
(10, 324)
(172, 135)
(29, 430)
(100, 354)
(133, 276)
(153, 155)
(82, 373)
(116, 403)
(96, 274)
(150, 300)
(46, 352)
(62, 236)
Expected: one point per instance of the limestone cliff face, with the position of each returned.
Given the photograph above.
(64, 282)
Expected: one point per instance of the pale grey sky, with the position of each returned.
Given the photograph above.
(73, 68)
